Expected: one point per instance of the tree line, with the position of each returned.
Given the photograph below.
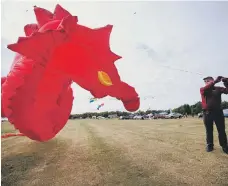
(183, 109)
(195, 109)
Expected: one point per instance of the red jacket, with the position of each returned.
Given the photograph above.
(211, 96)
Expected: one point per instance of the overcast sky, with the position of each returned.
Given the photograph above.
(150, 36)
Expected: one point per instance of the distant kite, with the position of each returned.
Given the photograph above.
(99, 106)
(93, 100)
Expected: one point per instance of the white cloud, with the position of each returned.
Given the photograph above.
(182, 35)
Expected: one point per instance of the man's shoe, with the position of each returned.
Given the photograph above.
(209, 148)
(225, 149)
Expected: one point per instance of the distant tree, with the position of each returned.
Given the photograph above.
(169, 111)
(148, 111)
(105, 114)
(183, 109)
(140, 112)
(224, 105)
(187, 109)
(196, 108)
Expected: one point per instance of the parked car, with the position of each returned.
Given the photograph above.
(4, 119)
(225, 112)
(100, 117)
(173, 116)
(200, 115)
(138, 117)
(148, 116)
(161, 115)
(124, 117)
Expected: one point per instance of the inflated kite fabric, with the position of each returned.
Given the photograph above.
(3, 79)
(37, 95)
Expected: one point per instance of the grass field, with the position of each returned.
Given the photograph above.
(115, 152)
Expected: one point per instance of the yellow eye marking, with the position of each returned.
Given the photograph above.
(104, 78)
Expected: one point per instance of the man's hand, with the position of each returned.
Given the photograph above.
(218, 79)
(225, 80)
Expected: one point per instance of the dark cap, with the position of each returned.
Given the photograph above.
(208, 77)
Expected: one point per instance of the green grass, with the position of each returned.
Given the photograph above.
(115, 152)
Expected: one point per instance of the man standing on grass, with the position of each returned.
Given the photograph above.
(212, 111)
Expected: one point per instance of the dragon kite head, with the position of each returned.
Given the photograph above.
(83, 54)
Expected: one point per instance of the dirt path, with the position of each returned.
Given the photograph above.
(114, 152)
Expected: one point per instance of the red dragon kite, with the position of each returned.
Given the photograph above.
(37, 96)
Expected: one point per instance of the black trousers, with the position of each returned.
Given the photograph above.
(209, 117)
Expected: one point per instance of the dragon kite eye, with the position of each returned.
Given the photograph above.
(104, 78)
